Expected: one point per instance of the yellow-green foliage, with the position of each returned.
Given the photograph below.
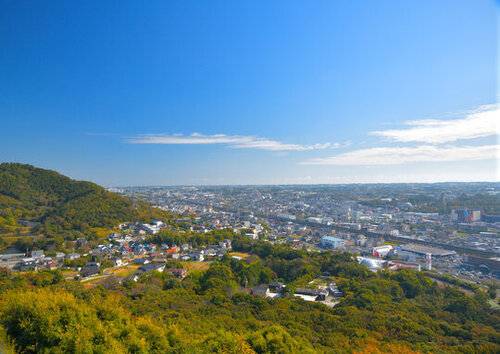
(62, 205)
(211, 311)
(44, 320)
(146, 212)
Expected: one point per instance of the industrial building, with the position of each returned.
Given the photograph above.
(423, 250)
(488, 264)
(381, 251)
(332, 242)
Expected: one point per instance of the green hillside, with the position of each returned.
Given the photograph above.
(59, 203)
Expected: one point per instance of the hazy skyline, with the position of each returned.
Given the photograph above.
(257, 93)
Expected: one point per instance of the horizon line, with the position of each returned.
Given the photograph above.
(296, 184)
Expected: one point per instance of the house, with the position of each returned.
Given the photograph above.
(150, 267)
(72, 256)
(172, 250)
(27, 264)
(37, 254)
(197, 256)
(113, 236)
(220, 253)
(210, 252)
(308, 294)
(156, 222)
(141, 261)
(323, 293)
(133, 277)
(276, 287)
(89, 270)
(117, 262)
(51, 265)
(252, 236)
(307, 291)
(125, 253)
(400, 265)
(176, 272)
(260, 291)
(334, 291)
(150, 228)
(225, 244)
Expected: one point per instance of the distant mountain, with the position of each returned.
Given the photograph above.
(59, 203)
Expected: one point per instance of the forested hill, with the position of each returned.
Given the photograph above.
(59, 203)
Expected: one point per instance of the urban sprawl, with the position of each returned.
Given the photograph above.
(384, 226)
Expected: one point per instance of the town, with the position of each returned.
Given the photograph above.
(369, 220)
(380, 225)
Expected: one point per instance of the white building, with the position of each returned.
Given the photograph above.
(332, 242)
(381, 251)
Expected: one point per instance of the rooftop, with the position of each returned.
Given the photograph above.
(332, 239)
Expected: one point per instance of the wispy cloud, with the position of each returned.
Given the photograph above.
(483, 122)
(232, 141)
(400, 155)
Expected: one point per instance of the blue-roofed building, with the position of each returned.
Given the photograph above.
(331, 242)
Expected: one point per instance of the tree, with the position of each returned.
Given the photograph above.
(276, 340)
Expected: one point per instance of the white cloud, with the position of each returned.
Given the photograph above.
(233, 141)
(400, 155)
(483, 122)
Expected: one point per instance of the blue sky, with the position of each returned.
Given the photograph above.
(225, 92)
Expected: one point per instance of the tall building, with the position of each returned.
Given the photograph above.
(465, 215)
(428, 261)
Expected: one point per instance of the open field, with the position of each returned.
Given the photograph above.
(195, 265)
(103, 232)
(239, 254)
(69, 273)
(93, 281)
(123, 271)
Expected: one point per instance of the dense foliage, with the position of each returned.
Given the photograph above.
(399, 312)
(60, 204)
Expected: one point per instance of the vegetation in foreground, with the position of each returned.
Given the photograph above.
(210, 311)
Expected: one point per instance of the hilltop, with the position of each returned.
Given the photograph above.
(58, 204)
